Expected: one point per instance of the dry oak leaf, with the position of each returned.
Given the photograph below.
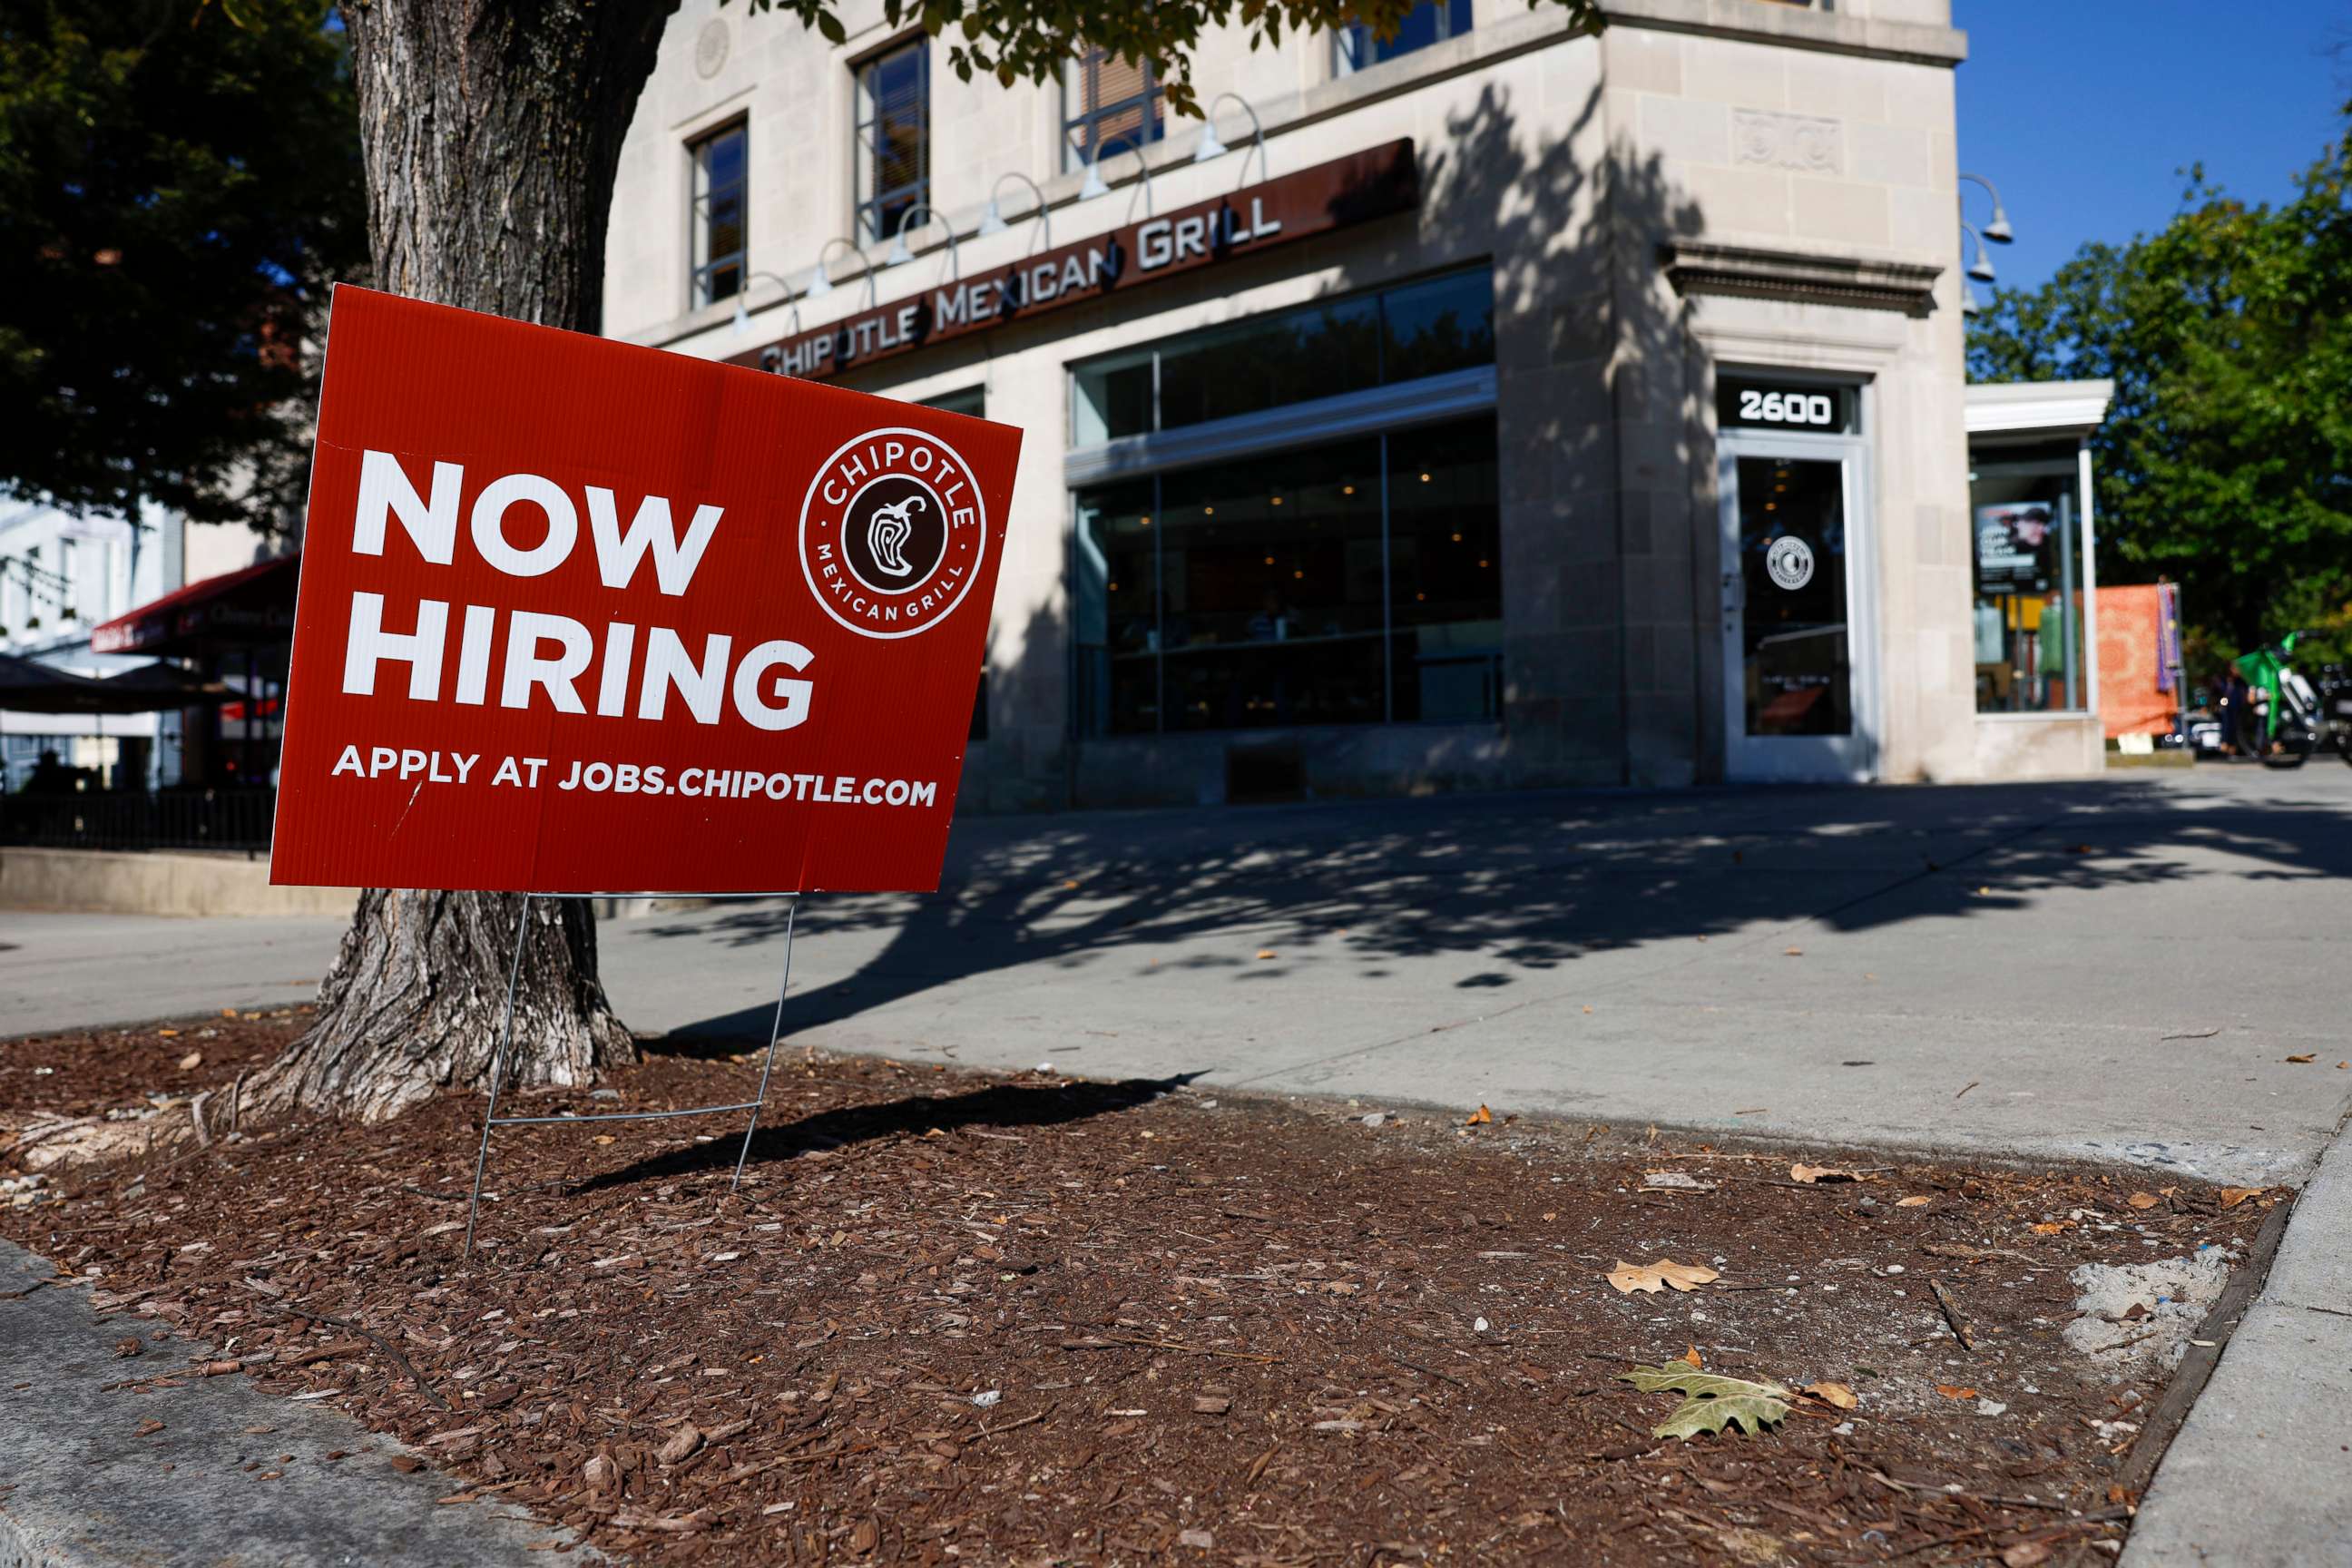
(1478, 1118)
(1809, 1174)
(1691, 1356)
(1918, 1201)
(1262, 952)
(191, 1061)
(2233, 1196)
(1836, 1394)
(1656, 1277)
(1950, 1391)
(2307, 1056)
(2052, 1228)
(1711, 1402)
(2143, 1199)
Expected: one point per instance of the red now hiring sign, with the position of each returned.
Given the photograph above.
(577, 616)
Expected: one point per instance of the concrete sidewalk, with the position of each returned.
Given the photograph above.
(96, 1477)
(2113, 970)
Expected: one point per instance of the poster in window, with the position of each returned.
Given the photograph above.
(2014, 544)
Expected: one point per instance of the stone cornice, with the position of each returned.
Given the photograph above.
(1796, 26)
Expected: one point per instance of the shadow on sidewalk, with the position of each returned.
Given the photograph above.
(1525, 882)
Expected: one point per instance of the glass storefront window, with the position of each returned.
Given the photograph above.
(2028, 558)
(1445, 591)
(1332, 346)
(1351, 583)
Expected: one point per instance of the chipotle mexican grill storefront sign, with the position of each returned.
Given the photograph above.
(1373, 184)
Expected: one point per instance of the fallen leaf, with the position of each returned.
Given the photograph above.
(406, 1464)
(2306, 1056)
(2143, 1199)
(1656, 1277)
(2233, 1196)
(1920, 1201)
(1836, 1394)
(1792, 952)
(1478, 1118)
(1262, 952)
(1809, 1175)
(1711, 1402)
(1691, 1356)
(2025, 1555)
(167, 1034)
(2052, 1228)
(1950, 1392)
(191, 1061)
(602, 1138)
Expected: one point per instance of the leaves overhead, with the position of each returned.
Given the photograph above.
(179, 182)
(1711, 1402)
(1655, 1276)
(1014, 40)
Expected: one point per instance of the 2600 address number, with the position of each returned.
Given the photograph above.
(1787, 408)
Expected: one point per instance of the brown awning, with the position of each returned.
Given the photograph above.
(251, 608)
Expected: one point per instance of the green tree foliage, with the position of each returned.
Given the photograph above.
(2226, 462)
(1012, 39)
(179, 180)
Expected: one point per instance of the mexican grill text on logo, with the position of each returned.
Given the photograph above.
(577, 616)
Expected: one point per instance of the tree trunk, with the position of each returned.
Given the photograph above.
(491, 130)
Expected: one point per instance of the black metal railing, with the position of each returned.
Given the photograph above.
(231, 819)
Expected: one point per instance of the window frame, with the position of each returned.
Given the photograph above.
(1354, 46)
(1152, 100)
(866, 203)
(701, 275)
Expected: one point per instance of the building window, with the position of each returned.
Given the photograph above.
(1354, 582)
(1110, 106)
(2029, 566)
(1431, 21)
(717, 219)
(894, 139)
(1333, 346)
(971, 401)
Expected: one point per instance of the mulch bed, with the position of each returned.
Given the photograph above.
(1028, 1319)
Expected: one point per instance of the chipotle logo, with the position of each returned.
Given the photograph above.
(892, 532)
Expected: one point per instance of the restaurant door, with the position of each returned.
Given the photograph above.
(1797, 687)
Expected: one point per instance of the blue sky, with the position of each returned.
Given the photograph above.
(2081, 111)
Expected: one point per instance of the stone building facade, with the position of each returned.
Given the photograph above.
(1591, 411)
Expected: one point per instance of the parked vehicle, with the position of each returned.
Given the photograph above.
(2284, 719)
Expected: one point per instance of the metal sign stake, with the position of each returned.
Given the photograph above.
(490, 1117)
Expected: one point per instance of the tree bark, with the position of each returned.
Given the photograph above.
(491, 132)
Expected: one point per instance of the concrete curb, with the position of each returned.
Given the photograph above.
(81, 1486)
(2259, 1476)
